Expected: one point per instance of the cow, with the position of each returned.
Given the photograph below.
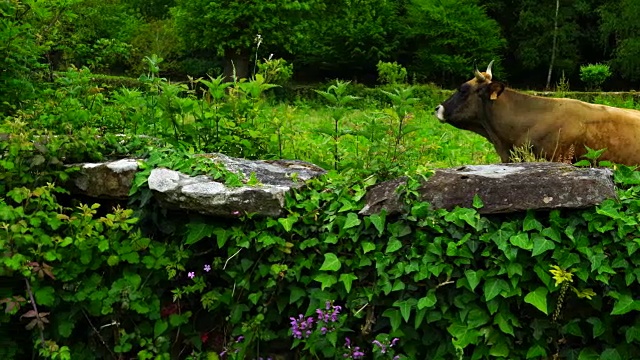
(554, 129)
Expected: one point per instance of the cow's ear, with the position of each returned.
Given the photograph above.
(495, 89)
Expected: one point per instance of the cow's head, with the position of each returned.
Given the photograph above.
(467, 106)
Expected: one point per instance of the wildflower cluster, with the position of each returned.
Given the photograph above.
(384, 348)
(328, 318)
(192, 274)
(301, 326)
(351, 352)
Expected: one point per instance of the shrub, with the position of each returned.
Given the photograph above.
(391, 73)
(275, 71)
(594, 75)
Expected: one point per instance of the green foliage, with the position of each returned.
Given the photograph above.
(275, 71)
(446, 35)
(391, 73)
(103, 44)
(594, 75)
(618, 22)
(19, 53)
(229, 27)
(353, 34)
(461, 273)
(69, 268)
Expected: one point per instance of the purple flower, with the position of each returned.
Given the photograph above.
(383, 348)
(397, 357)
(191, 274)
(394, 341)
(324, 330)
(207, 268)
(299, 324)
(236, 213)
(239, 339)
(354, 353)
(357, 354)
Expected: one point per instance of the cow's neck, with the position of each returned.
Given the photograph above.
(512, 115)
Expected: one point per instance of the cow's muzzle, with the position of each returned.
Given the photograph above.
(439, 113)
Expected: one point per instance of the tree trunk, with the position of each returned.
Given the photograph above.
(554, 46)
(236, 64)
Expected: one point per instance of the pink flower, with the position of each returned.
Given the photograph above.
(191, 274)
(207, 268)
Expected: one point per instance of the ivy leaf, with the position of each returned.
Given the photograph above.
(347, 280)
(588, 354)
(395, 318)
(536, 351)
(287, 223)
(522, 241)
(405, 307)
(428, 301)
(331, 263)
(326, 280)
(552, 233)
(378, 221)
(473, 278)
(393, 245)
(352, 221)
(531, 223)
(296, 294)
(503, 323)
(493, 287)
(368, 246)
(538, 298)
(221, 236)
(198, 230)
(624, 305)
(610, 354)
(500, 349)
(255, 297)
(477, 202)
(598, 327)
(159, 328)
(419, 317)
(463, 335)
(541, 245)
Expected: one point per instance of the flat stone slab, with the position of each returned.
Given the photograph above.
(110, 180)
(174, 190)
(503, 188)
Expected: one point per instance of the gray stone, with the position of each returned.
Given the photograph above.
(206, 196)
(502, 188)
(111, 180)
(202, 194)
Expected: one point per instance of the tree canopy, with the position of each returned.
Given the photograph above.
(436, 40)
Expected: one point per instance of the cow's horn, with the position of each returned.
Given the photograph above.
(479, 75)
(489, 70)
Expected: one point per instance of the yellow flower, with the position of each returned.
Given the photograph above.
(560, 275)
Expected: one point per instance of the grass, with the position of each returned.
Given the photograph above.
(366, 137)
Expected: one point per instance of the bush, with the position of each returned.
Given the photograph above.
(391, 73)
(594, 75)
(275, 71)
(447, 283)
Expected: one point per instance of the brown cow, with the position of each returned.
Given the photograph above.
(554, 128)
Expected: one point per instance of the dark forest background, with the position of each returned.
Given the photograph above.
(437, 41)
